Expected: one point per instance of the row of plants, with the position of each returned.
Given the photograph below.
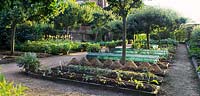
(162, 53)
(50, 46)
(131, 57)
(138, 44)
(194, 46)
(158, 69)
(131, 80)
(57, 46)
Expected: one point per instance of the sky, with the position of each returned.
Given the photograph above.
(187, 8)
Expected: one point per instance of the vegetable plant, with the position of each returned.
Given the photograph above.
(29, 62)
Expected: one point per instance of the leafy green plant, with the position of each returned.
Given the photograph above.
(110, 45)
(51, 46)
(155, 81)
(119, 75)
(138, 84)
(198, 69)
(93, 48)
(11, 89)
(29, 62)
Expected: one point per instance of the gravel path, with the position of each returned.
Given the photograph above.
(182, 79)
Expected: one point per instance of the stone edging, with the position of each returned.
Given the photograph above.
(194, 62)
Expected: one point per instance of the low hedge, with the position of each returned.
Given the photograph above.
(58, 46)
(51, 46)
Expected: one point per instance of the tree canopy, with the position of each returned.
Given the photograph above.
(148, 19)
(15, 12)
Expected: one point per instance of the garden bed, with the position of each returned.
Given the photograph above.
(195, 64)
(113, 88)
(137, 58)
(194, 61)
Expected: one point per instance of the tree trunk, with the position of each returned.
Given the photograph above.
(13, 28)
(96, 36)
(66, 32)
(124, 41)
(148, 43)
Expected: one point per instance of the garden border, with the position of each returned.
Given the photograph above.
(62, 80)
(193, 61)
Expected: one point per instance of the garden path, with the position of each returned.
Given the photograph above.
(182, 79)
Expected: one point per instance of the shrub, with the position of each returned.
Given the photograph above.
(194, 52)
(93, 48)
(112, 44)
(29, 62)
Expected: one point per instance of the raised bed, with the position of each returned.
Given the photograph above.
(125, 80)
(123, 75)
(195, 64)
(162, 55)
(144, 51)
(193, 61)
(112, 87)
(137, 58)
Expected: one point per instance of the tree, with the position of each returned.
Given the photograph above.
(115, 27)
(122, 8)
(150, 19)
(68, 18)
(15, 12)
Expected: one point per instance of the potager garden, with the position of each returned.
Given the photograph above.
(124, 46)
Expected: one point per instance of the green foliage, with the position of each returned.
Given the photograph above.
(10, 89)
(112, 44)
(150, 19)
(29, 62)
(138, 41)
(155, 81)
(93, 48)
(14, 12)
(196, 34)
(51, 46)
(123, 7)
(194, 52)
(138, 84)
(194, 43)
(2, 77)
(198, 69)
(4, 37)
(69, 17)
(119, 75)
(115, 27)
